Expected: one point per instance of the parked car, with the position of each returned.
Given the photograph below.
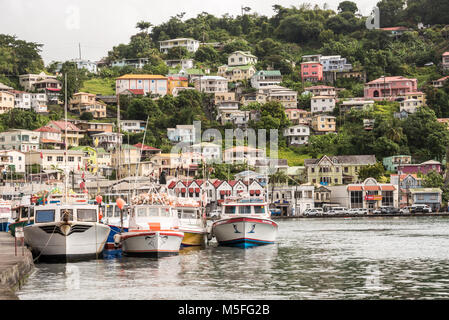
(362, 211)
(377, 211)
(338, 211)
(312, 212)
(353, 211)
(386, 210)
(420, 208)
(405, 210)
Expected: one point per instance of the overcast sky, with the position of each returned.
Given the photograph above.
(98, 25)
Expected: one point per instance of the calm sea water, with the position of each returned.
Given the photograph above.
(357, 258)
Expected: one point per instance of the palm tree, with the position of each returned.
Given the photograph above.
(277, 177)
(144, 26)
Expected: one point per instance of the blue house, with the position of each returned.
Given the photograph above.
(428, 196)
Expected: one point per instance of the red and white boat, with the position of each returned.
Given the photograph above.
(153, 231)
(245, 222)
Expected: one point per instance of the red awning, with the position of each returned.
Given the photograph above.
(191, 190)
(355, 188)
(388, 188)
(222, 192)
(197, 190)
(52, 89)
(228, 192)
(183, 190)
(252, 191)
(257, 191)
(371, 188)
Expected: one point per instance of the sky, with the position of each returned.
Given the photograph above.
(63, 26)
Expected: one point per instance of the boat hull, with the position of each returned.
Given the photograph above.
(192, 238)
(110, 244)
(73, 241)
(245, 232)
(151, 243)
(4, 226)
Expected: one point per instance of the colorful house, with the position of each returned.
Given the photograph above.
(391, 163)
(177, 82)
(422, 168)
(311, 71)
(390, 88)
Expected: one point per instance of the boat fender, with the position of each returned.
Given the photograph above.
(117, 239)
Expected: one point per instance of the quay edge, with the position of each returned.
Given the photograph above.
(13, 269)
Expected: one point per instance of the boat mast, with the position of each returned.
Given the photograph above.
(140, 156)
(118, 139)
(65, 138)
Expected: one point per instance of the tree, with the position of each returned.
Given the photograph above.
(391, 12)
(86, 116)
(375, 171)
(348, 6)
(75, 79)
(144, 26)
(177, 53)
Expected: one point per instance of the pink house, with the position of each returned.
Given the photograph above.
(423, 168)
(390, 87)
(311, 71)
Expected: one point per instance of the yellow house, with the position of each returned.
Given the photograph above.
(336, 170)
(324, 124)
(420, 96)
(176, 82)
(6, 101)
(236, 73)
(86, 102)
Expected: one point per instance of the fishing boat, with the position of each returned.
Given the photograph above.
(6, 215)
(244, 222)
(22, 214)
(153, 227)
(117, 220)
(192, 222)
(68, 230)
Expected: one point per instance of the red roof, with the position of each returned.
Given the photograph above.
(394, 29)
(136, 91)
(62, 125)
(172, 185)
(145, 147)
(446, 53)
(47, 129)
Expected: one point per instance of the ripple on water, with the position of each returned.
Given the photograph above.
(400, 258)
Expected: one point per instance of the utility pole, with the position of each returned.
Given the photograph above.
(79, 48)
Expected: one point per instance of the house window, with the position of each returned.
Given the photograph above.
(59, 158)
(356, 199)
(387, 198)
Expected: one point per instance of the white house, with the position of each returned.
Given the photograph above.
(335, 64)
(20, 140)
(39, 102)
(185, 64)
(28, 80)
(241, 58)
(182, 133)
(243, 154)
(90, 66)
(108, 140)
(410, 105)
(211, 84)
(321, 104)
(22, 99)
(12, 161)
(211, 152)
(57, 159)
(137, 63)
(297, 135)
(190, 44)
(266, 79)
(292, 200)
(134, 126)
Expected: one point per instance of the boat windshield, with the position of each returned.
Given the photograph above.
(189, 214)
(154, 212)
(110, 211)
(43, 216)
(116, 211)
(141, 212)
(259, 209)
(245, 209)
(87, 215)
(165, 212)
(69, 211)
(230, 209)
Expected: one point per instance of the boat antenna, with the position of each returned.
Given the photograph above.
(140, 155)
(65, 138)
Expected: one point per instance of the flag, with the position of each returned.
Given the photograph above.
(82, 176)
(42, 155)
(82, 185)
(78, 166)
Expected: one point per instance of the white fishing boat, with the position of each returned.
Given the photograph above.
(192, 222)
(70, 230)
(6, 215)
(116, 219)
(153, 228)
(245, 222)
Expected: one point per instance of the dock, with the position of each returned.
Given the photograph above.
(14, 269)
(417, 215)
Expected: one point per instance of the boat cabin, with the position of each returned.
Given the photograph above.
(153, 217)
(59, 213)
(245, 207)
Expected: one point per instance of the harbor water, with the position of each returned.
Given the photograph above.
(348, 258)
